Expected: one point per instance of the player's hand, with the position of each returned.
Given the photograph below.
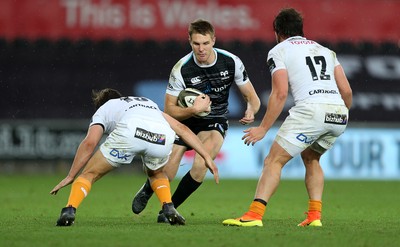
(248, 117)
(202, 103)
(66, 181)
(213, 169)
(253, 135)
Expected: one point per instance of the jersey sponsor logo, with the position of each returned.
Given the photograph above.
(150, 136)
(334, 118)
(219, 89)
(271, 64)
(119, 154)
(302, 42)
(141, 105)
(303, 138)
(224, 75)
(195, 80)
(323, 91)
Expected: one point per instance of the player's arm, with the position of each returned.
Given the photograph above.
(192, 140)
(83, 154)
(172, 108)
(344, 86)
(276, 102)
(253, 102)
(175, 85)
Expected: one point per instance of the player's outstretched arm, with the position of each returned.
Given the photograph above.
(275, 106)
(191, 139)
(83, 154)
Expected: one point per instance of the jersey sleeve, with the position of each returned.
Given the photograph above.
(241, 76)
(175, 82)
(106, 115)
(98, 118)
(275, 61)
(336, 61)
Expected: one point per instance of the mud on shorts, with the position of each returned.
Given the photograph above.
(315, 125)
(151, 140)
(197, 125)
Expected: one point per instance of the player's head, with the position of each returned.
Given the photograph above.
(202, 40)
(202, 27)
(104, 95)
(288, 23)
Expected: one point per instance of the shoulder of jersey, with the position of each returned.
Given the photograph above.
(225, 52)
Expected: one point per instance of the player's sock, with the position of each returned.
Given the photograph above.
(79, 190)
(256, 210)
(314, 205)
(314, 210)
(185, 188)
(162, 189)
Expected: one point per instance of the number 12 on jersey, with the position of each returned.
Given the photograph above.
(317, 60)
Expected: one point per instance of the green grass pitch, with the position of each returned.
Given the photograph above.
(355, 213)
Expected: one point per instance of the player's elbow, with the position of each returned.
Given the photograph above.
(281, 95)
(89, 144)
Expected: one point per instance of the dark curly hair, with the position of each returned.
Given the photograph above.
(288, 23)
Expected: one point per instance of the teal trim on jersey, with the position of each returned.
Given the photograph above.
(224, 52)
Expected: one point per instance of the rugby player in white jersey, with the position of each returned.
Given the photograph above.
(212, 71)
(136, 126)
(322, 96)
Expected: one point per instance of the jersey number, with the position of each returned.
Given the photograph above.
(318, 60)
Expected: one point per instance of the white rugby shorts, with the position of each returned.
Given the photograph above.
(148, 138)
(310, 123)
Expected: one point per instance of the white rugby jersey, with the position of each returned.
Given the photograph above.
(110, 113)
(310, 68)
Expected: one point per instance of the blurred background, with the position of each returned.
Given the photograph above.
(54, 53)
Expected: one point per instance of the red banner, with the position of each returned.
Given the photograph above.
(356, 20)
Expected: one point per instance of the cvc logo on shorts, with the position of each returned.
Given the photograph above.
(303, 138)
(119, 154)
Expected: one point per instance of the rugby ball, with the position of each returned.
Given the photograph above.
(186, 99)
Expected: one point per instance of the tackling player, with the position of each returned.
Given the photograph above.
(136, 126)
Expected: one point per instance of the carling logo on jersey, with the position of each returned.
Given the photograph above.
(150, 136)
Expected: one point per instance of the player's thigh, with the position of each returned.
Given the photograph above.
(212, 141)
(172, 165)
(96, 167)
(299, 129)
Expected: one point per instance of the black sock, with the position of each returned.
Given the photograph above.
(147, 187)
(185, 188)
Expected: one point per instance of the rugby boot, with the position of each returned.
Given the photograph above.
(67, 217)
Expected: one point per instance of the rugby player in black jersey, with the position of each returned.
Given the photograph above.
(212, 71)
